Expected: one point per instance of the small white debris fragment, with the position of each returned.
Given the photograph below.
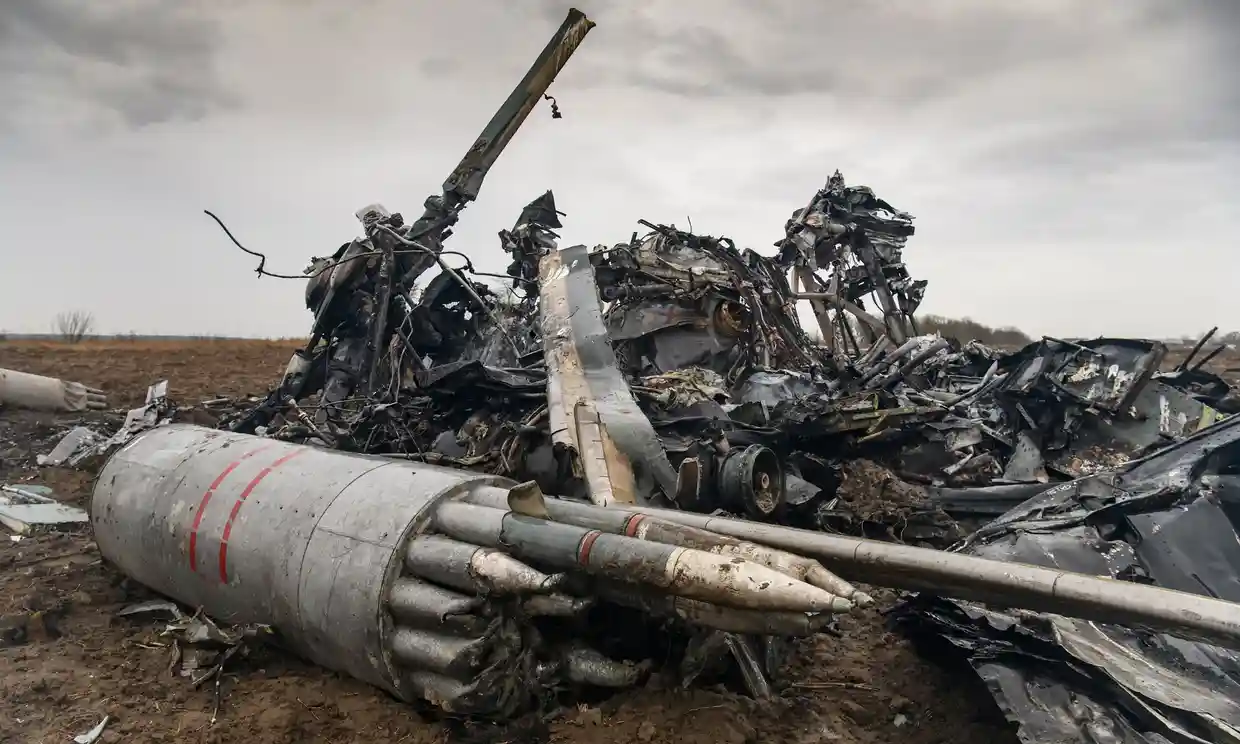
(26, 509)
(90, 737)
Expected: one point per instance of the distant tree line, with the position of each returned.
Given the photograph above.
(967, 329)
(961, 329)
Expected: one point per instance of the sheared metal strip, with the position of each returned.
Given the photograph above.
(466, 178)
(592, 409)
(574, 421)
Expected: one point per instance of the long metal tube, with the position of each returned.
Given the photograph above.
(309, 541)
(996, 582)
(899, 353)
(866, 358)
(466, 178)
(1196, 349)
(695, 574)
(911, 364)
(464, 182)
(842, 304)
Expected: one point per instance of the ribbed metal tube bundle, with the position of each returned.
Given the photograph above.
(339, 554)
(309, 541)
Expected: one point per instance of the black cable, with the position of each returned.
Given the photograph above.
(262, 258)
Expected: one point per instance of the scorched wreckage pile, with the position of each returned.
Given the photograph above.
(643, 464)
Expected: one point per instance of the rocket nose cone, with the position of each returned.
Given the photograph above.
(736, 582)
(553, 583)
(824, 579)
(812, 599)
(839, 604)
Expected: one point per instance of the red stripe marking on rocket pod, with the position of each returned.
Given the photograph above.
(206, 499)
(245, 494)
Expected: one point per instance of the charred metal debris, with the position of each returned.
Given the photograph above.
(673, 370)
(389, 515)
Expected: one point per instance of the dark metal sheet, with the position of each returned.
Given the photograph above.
(1170, 519)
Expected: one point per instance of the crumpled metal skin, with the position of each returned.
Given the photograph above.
(1167, 520)
(670, 307)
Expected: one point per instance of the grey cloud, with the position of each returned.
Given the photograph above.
(1220, 16)
(964, 72)
(893, 53)
(141, 62)
(1100, 144)
(1218, 22)
(898, 61)
(436, 66)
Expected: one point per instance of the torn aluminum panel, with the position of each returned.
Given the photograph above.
(81, 443)
(1026, 464)
(92, 736)
(28, 510)
(592, 409)
(150, 414)
(1108, 373)
(78, 443)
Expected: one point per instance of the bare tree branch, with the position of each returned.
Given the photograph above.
(75, 325)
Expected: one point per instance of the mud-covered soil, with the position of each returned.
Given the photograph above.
(66, 661)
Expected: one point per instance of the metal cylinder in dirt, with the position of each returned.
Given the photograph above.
(307, 540)
(39, 393)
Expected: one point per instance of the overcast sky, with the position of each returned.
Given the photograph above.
(1074, 167)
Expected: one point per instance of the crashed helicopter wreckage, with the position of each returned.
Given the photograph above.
(485, 598)
(646, 385)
